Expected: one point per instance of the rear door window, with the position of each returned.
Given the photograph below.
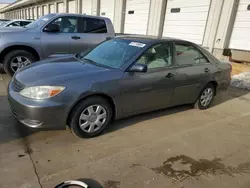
(187, 54)
(93, 25)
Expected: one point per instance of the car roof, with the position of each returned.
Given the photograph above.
(20, 20)
(84, 15)
(149, 39)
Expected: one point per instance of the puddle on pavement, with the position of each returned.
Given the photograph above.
(135, 165)
(111, 184)
(21, 155)
(182, 167)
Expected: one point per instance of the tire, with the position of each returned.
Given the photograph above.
(74, 120)
(200, 104)
(12, 55)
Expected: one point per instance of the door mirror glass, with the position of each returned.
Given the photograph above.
(52, 28)
(138, 68)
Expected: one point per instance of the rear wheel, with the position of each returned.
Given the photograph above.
(17, 59)
(90, 117)
(206, 97)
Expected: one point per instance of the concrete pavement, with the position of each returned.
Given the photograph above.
(177, 147)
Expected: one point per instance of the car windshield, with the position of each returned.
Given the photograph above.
(113, 53)
(40, 21)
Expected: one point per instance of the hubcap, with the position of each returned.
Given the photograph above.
(206, 97)
(19, 62)
(92, 118)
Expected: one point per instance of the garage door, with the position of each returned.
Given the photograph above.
(45, 10)
(240, 38)
(60, 7)
(136, 17)
(34, 11)
(52, 8)
(26, 14)
(86, 7)
(30, 13)
(186, 19)
(107, 8)
(72, 6)
(39, 12)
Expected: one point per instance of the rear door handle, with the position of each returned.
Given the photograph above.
(206, 70)
(169, 75)
(75, 37)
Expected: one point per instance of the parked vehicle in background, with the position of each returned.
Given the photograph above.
(51, 34)
(15, 23)
(3, 20)
(119, 78)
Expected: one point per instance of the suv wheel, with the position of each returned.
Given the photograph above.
(17, 59)
(206, 97)
(90, 117)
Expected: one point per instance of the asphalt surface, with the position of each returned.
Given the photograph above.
(179, 147)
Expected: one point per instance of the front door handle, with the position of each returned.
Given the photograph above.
(75, 37)
(206, 70)
(169, 75)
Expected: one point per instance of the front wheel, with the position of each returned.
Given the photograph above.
(90, 117)
(17, 59)
(206, 97)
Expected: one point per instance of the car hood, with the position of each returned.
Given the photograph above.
(56, 70)
(12, 29)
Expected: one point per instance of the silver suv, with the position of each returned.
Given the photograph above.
(51, 34)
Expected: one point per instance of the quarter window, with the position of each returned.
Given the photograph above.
(187, 54)
(92, 25)
(158, 56)
(14, 24)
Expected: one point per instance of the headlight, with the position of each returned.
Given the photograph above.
(41, 92)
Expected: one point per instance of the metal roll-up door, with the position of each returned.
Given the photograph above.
(72, 6)
(45, 10)
(86, 7)
(240, 38)
(39, 12)
(34, 13)
(60, 8)
(27, 16)
(136, 17)
(186, 19)
(52, 8)
(107, 9)
(30, 14)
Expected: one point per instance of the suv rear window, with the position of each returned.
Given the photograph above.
(92, 25)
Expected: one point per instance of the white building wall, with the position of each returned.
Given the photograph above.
(156, 17)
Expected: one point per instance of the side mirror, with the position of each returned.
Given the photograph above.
(139, 68)
(52, 28)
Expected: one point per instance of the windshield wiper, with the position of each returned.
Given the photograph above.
(90, 61)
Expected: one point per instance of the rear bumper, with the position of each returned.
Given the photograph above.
(42, 114)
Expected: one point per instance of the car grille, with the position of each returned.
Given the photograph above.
(17, 86)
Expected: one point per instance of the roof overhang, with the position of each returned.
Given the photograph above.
(18, 4)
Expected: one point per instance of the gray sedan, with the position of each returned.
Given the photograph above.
(118, 78)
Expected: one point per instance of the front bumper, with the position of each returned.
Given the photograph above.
(44, 114)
